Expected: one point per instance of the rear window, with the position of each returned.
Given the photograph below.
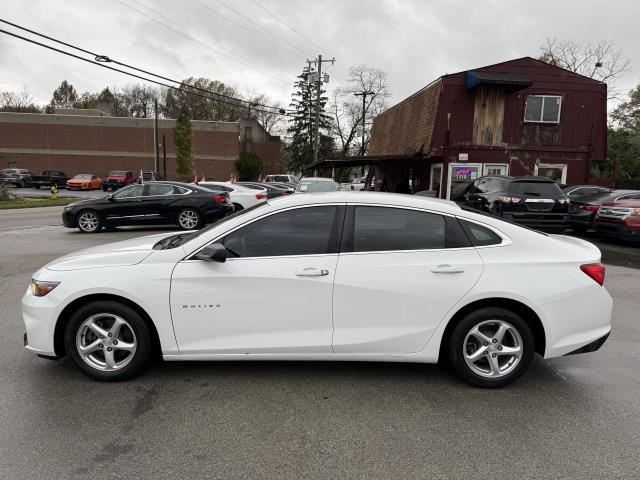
(311, 186)
(537, 189)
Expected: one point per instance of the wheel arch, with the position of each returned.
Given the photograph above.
(65, 316)
(515, 306)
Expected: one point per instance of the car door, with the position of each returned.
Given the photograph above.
(236, 306)
(399, 272)
(157, 201)
(125, 206)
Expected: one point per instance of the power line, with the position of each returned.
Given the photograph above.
(105, 58)
(190, 37)
(239, 25)
(237, 103)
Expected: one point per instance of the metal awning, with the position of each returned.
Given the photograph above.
(513, 80)
(362, 160)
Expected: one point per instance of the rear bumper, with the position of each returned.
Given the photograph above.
(538, 219)
(590, 347)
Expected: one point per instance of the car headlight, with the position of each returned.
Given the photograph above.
(40, 289)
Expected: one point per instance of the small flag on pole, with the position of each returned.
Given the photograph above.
(141, 177)
(202, 179)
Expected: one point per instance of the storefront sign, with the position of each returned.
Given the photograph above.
(463, 157)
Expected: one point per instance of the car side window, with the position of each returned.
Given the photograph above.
(388, 229)
(131, 191)
(480, 236)
(156, 189)
(301, 231)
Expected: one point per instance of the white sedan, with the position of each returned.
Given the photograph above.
(372, 277)
(241, 197)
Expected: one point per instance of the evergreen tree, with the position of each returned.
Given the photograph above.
(301, 126)
(63, 97)
(249, 166)
(183, 140)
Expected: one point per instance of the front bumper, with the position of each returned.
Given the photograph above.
(617, 230)
(68, 219)
(38, 314)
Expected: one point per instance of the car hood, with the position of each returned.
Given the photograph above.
(118, 254)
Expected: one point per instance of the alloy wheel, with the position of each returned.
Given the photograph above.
(493, 348)
(106, 342)
(188, 219)
(88, 221)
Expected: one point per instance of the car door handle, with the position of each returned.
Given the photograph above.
(312, 272)
(446, 268)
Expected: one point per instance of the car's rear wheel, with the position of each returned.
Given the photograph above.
(37, 186)
(108, 341)
(89, 221)
(21, 184)
(491, 347)
(189, 219)
(237, 207)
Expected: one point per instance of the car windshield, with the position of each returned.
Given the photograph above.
(311, 186)
(83, 176)
(536, 189)
(182, 238)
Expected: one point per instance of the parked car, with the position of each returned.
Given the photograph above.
(280, 178)
(356, 185)
(288, 186)
(368, 277)
(583, 208)
(84, 181)
(316, 184)
(48, 178)
(118, 179)
(150, 177)
(187, 206)
(20, 177)
(241, 197)
(272, 190)
(579, 190)
(620, 218)
(535, 202)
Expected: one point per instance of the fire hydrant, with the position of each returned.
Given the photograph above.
(54, 192)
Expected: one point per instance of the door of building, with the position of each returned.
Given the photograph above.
(435, 178)
(460, 175)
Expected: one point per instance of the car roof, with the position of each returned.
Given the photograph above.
(374, 198)
(524, 178)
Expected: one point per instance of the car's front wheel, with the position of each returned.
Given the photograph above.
(89, 221)
(491, 347)
(189, 219)
(108, 341)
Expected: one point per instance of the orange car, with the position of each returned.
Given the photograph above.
(84, 181)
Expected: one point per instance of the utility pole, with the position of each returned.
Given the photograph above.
(316, 140)
(156, 153)
(364, 99)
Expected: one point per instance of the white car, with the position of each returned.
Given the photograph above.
(280, 178)
(316, 184)
(372, 277)
(241, 197)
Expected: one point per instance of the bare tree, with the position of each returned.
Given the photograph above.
(601, 61)
(20, 102)
(268, 118)
(346, 109)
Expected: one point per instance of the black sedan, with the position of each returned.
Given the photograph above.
(272, 190)
(584, 207)
(187, 206)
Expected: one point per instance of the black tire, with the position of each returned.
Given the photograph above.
(237, 207)
(135, 332)
(21, 184)
(189, 219)
(37, 186)
(83, 221)
(484, 318)
(579, 229)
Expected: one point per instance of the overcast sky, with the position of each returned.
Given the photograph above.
(414, 41)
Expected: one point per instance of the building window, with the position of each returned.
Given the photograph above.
(543, 108)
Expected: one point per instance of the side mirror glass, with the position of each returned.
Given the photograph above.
(213, 253)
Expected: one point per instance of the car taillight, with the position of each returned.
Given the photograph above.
(220, 199)
(505, 199)
(588, 208)
(286, 193)
(260, 196)
(595, 271)
(13, 174)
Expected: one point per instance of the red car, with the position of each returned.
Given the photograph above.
(620, 219)
(118, 179)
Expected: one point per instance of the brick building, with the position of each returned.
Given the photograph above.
(97, 143)
(520, 117)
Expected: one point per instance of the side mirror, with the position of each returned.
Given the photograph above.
(110, 197)
(213, 253)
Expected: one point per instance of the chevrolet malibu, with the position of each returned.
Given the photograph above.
(380, 277)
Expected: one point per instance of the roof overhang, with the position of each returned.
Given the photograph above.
(362, 160)
(509, 80)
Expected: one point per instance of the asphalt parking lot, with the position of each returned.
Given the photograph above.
(572, 417)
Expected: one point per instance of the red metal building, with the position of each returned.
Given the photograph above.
(520, 117)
